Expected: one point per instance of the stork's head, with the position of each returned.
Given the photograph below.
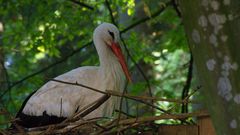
(109, 35)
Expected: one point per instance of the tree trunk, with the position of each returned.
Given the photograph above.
(212, 28)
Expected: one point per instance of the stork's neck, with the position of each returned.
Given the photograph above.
(110, 68)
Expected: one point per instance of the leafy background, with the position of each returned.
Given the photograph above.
(39, 34)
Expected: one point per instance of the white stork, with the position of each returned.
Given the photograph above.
(54, 101)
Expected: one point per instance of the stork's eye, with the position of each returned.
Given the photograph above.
(111, 34)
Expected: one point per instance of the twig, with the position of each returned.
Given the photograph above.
(163, 116)
(189, 95)
(120, 129)
(98, 102)
(187, 85)
(145, 119)
(128, 115)
(61, 125)
(81, 85)
(121, 100)
(160, 99)
(109, 92)
(119, 94)
(82, 4)
(110, 12)
(176, 7)
(107, 125)
(194, 91)
(79, 127)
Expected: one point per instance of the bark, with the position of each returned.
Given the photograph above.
(212, 28)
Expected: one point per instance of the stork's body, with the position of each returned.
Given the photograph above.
(55, 101)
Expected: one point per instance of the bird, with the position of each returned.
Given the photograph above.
(54, 102)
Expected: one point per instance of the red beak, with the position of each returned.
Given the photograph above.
(118, 52)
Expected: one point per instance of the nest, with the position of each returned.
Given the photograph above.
(121, 123)
(96, 126)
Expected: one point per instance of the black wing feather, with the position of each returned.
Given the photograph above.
(29, 121)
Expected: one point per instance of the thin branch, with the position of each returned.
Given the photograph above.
(187, 85)
(147, 18)
(86, 110)
(81, 85)
(82, 4)
(146, 119)
(61, 125)
(186, 99)
(110, 92)
(121, 101)
(99, 102)
(124, 113)
(145, 98)
(120, 129)
(52, 65)
(194, 91)
(176, 7)
(119, 94)
(163, 116)
(139, 68)
(110, 12)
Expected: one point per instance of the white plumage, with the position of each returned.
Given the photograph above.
(62, 100)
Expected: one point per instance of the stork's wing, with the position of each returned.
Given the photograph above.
(55, 101)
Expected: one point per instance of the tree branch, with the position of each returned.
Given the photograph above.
(93, 107)
(163, 116)
(113, 93)
(110, 12)
(82, 4)
(52, 65)
(187, 85)
(146, 18)
(176, 8)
